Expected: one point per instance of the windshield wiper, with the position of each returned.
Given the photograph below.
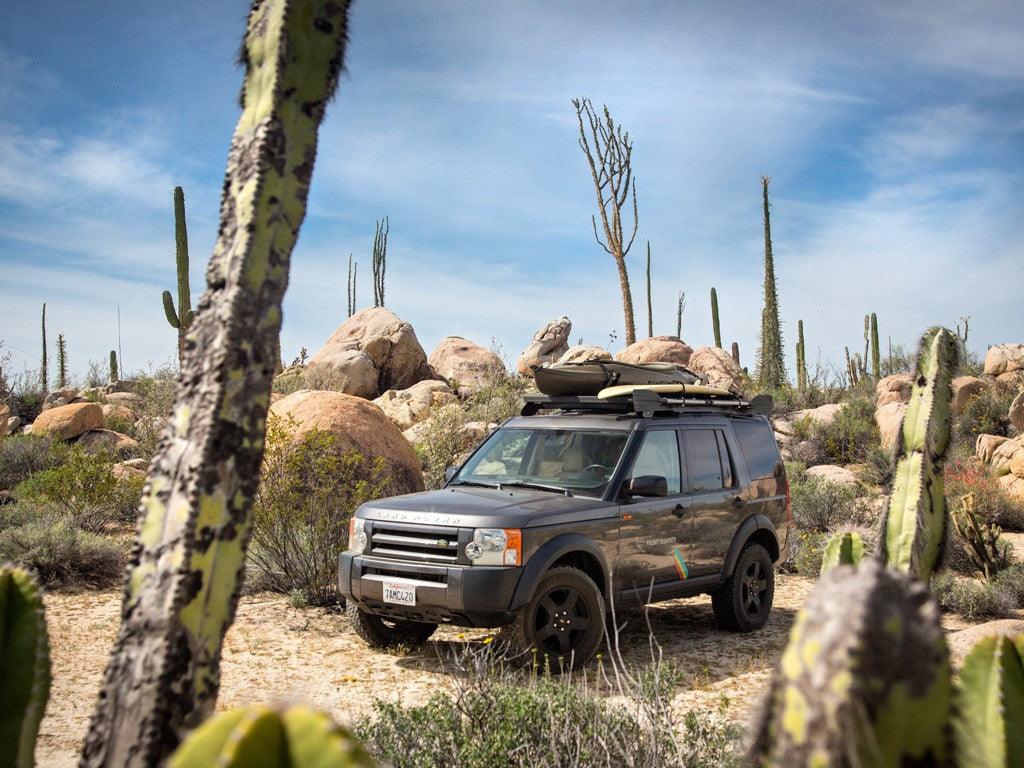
(477, 483)
(539, 487)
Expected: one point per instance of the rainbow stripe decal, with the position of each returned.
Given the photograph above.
(680, 563)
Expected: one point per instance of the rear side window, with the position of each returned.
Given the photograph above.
(703, 460)
(659, 456)
(757, 443)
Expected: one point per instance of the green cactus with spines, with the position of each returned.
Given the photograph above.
(843, 548)
(262, 737)
(44, 376)
(989, 719)
(716, 328)
(62, 362)
(181, 319)
(913, 526)
(865, 679)
(876, 352)
(114, 375)
(24, 667)
(185, 573)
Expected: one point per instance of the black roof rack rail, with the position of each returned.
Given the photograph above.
(643, 401)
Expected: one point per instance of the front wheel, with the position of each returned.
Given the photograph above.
(743, 602)
(563, 624)
(379, 632)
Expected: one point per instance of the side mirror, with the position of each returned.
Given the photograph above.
(450, 473)
(648, 486)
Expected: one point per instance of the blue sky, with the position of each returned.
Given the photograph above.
(893, 133)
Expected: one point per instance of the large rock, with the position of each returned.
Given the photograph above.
(1012, 486)
(719, 367)
(1011, 380)
(1016, 414)
(833, 473)
(58, 397)
(889, 419)
(112, 412)
(68, 421)
(821, 416)
(965, 389)
(1008, 454)
(960, 643)
(1004, 358)
(107, 441)
(549, 344)
(656, 349)
(985, 446)
(583, 353)
(893, 389)
(468, 364)
(129, 400)
(358, 425)
(407, 407)
(389, 342)
(343, 370)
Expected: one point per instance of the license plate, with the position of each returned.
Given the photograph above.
(398, 593)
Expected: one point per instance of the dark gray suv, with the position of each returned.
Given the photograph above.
(574, 506)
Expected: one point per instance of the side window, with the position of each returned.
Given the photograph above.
(723, 455)
(703, 463)
(659, 456)
(760, 453)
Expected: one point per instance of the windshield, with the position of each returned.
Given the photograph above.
(579, 461)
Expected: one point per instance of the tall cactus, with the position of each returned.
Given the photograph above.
(62, 362)
(185, 573)
(353, 268)
(876, 352)
(379, 260)
(913, 526)
(182, 319)
(771, 366)
(650, 304)
(716, 327)
(24, 667)
(680, 306)
(801, 358)
(114, 376)
(736, 353)
(44, 376)
(990, 705)
(261, 737)
(843, 548)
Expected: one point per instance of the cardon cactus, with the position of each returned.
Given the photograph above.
(913, 525)
(989, 723)
(865, 679)
(844, 548)
(24, 667)
(716, 327)
(261, 737)
(185, 573)
(182, 318)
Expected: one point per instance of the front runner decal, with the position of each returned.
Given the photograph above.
(680, 563)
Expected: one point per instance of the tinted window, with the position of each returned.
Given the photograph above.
(758, 445)
(723, 456)
(659, 456)
(703, 465)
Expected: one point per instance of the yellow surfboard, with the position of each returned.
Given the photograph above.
(695, 390)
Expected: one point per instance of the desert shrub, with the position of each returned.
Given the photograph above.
(972, 598)
(442, 442)
(849, 436)
(808, 550)
(61, 555)
(501, 399)
(308, 491)
(821, 506)
(964, 475)
(878, 466)
(1010, 581)
(21, 512)
(504, 721)
(23, 455)
(985, 414)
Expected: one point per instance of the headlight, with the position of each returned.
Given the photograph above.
(496, 546)
(356, 535)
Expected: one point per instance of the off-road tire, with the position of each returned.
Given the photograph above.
(743, 602)
(562, 626)
(379, 632)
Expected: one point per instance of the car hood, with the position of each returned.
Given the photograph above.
(473, 507)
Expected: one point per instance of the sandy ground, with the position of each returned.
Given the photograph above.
(277, 652)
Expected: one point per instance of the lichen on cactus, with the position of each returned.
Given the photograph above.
(913, 526)
(185, 573)
(180, 319)
(865, 679)
(988, 726)
(24, 667)
(843, 548)
(262, 737)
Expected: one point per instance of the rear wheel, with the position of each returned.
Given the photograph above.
(379, 632)
(563, 624)
(744, 601)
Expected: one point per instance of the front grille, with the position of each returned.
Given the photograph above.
(418, 543)
(437, 576)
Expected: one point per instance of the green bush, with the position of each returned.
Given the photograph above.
(878, 466)
(986, 414)
(972, 598)
(807, 553)
(821, 506)
(1011, 582)
(62, 556)
(442, 442)
(849, 437)
(23, 455)
(308, 491)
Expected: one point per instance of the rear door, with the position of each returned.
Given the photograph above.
(713, 506)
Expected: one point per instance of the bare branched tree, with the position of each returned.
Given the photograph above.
(609, 151)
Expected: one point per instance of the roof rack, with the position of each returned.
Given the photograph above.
(643, 402)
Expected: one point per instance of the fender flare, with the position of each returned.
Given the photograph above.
(748, 528)
(541, 560)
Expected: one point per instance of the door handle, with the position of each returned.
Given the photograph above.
(738, 502)
(678, 510)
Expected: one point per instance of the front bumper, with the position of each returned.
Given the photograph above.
(474, 596)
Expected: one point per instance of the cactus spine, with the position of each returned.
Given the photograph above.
(650, 304)
(990, 705)
(736, 353)
(182, 319)
(62, 362)
(260, 737)
(716, 328)
(876, 352)
(771, 368)
(113, 366)
(24, 667)
(913, 526)
(380, 261)
(844, 548)
(44, 377)
(353, 268)
(801, 358)
(184, 577)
